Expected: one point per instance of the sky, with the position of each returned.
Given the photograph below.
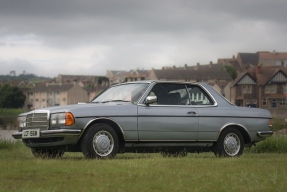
(89, 37)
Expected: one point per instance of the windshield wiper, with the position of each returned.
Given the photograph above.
(114, 101)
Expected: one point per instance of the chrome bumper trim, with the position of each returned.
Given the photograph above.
(52, 133)
(265, 133)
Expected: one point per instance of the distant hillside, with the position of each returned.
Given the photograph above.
(22, 77)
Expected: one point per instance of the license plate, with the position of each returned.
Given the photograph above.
(30, 133)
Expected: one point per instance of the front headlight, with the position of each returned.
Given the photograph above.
(62, 119)
(21, 122)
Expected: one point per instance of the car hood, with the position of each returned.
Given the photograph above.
(87, 109)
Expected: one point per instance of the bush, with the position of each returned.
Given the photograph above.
(278, 124)
(274, 144)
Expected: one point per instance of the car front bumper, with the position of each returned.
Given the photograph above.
(51, 138)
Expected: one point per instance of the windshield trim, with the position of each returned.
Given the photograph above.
(121, 84)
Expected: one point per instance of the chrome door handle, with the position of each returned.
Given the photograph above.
(192, 112)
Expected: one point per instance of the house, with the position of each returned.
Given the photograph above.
(127, 76)
(92, 84)
(263, 58)
(264, 87)
(116, 76)
(56, 94)
(213, 74)
(137, 75)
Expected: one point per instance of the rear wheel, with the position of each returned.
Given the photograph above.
(100, 141)
(230, 143)
(47, 153)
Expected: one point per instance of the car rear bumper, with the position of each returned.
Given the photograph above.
(265, 133)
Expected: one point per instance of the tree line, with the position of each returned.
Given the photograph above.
(20, 77)
(11, 96)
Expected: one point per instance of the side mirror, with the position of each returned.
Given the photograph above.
(150, 100)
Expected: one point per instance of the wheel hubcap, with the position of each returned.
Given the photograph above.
(231, 144)
(103, 143)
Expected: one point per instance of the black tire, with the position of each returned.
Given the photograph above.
(229, 144)
(47, 153)
(100, 141)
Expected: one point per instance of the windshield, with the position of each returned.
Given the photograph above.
(125, 93)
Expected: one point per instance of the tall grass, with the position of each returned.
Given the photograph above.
(274, 144)
(278, 124)
(9, 144)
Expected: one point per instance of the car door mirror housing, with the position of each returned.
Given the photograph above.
(150, 100)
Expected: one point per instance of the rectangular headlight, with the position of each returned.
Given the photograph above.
(57, 119)
(62, 119)
(21, 121)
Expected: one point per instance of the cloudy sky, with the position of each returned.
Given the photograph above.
(89, 37)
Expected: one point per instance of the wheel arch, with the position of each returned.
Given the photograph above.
(243, 130)
(108, 121)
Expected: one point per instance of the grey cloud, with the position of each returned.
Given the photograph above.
(141, 32)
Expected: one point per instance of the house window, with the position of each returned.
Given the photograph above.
(254, 101)
(273, 88)
(274, 103)
(283, 102)
(247, 102)
(264, 103)
(246, 89)
(267, 89)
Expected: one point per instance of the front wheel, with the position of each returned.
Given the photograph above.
(229, 144)
(100, 141)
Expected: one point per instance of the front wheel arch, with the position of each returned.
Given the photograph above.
(109, 122)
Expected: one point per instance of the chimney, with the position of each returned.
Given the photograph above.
(247, 66)
(197, 66)
(274, 52)
(259, 69)
(210, 63)
(233, 57)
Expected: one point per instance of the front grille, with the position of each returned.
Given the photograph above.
(37, 120)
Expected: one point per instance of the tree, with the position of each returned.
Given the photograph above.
(13, 73)
(11, 97)
(231, 70)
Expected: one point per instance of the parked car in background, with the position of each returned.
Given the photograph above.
(172, 118)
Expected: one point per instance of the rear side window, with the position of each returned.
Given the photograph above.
(170, 94)
(198, 96)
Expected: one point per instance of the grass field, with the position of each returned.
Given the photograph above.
(20, 171)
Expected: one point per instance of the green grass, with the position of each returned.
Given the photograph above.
(20, 171)
(274, 144)
(11, 112)
(8, 117)
(278, 124)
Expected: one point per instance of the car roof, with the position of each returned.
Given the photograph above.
(161, 81)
